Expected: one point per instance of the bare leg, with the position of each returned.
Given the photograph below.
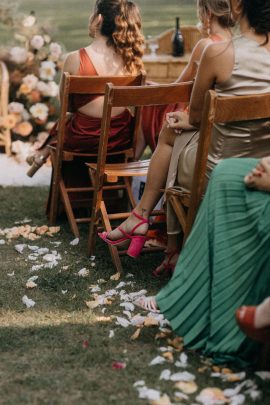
(141, 145)
(156, 179)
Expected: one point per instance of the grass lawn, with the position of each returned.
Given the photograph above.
(60, 351)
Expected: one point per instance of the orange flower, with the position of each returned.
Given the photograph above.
(23, 129)
(34, 96)
(24, 89)
(9, 121)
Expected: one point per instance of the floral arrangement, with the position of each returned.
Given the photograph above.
(33, 63)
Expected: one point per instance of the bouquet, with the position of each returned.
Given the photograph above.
(33, 64)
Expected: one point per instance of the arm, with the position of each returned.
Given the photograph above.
(216, 66)
(190, 70)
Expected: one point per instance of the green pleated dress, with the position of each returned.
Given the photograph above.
(225, 263)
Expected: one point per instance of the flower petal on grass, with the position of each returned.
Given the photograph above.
(211, 396)
(264, 375)
(74, 242)
(118, 365)
(122, 322)
(30, 284)
(128, 306)
(183, 376)
(188, 387)
(28, 301)
(115, 277)
(157, 360)
(111, 334)
(164, 400)
(165, 375)
(19, 248)
(83, 272)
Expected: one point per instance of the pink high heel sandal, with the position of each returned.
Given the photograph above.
(136, 241)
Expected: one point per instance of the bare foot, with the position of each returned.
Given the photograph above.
(259, 177)
(128, 225)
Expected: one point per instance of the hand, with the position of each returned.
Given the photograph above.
(178, 121)
(259, 177)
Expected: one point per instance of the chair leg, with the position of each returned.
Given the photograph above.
(128, 184)
(179, 211)
(68, 209)
(264, 360)
(113, 249)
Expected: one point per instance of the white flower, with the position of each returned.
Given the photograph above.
(39, 111)
(18, 54)
(52, 90)
(55, 50)
(47, 70)
(15, 108)
(29, 21)
(31, 81)
(41, 86)
(37, 42)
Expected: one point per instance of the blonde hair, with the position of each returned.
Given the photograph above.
(218, 8)
(122, 26)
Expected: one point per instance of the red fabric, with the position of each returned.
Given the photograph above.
(86, 69)
(152, 121)
(83, 132)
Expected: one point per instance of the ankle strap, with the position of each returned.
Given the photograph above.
(144, 220)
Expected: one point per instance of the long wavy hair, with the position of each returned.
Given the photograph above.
(219, 8)
(121, 25)
(258, 16)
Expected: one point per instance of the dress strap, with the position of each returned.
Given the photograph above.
(86, 66)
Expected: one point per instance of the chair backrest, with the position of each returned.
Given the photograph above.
(137, 97)
(4, 89)
(218, 109)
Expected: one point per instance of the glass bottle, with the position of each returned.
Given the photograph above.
(177, 40)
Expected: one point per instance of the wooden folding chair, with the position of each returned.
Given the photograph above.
(60, 189)
(5, 135)
(216, 109)
(123, 97)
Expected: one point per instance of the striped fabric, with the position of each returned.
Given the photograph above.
(225, 264)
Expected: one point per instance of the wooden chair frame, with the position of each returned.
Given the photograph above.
(79, 85)
(123, 97)
(216, 109)
(5, 134)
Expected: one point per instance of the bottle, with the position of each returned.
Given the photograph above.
(177, 41)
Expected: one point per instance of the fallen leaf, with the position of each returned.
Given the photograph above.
(163, 334)
(136, 334)
(216, 369)
(202, 369)
(164, 400)
(226, 371)
(188, 387)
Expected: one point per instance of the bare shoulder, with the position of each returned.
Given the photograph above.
(72, 62)
(200, 47)
(221, 50)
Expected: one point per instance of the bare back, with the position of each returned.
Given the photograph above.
(106, 63)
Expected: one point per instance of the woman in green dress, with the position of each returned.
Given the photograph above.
(225, 262)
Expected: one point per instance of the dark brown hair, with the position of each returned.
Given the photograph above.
(122, 26)
(258, 16)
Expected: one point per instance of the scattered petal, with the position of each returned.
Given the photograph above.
(151, 321)
(28, 301)
(92, 304)
(118, 365)
(211, 396)
(164, 400)
(136, 334)
(177, 343)
(122, 322)
(30, 284)
(83, 272)
(11, 274)
(168, 356)
(115, 277)
(85, 344)
(2, 242)
(64, 291)
(188, 387)
(157, 360)
(74, 242)
(128, 306)
(111, 334)
(19, 248)
(264, 375)
(165, 375)
(148, 393)
(184, 376)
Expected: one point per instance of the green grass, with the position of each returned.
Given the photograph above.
(68, 18)
(43, 360)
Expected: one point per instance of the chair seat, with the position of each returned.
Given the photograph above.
(128, 169)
